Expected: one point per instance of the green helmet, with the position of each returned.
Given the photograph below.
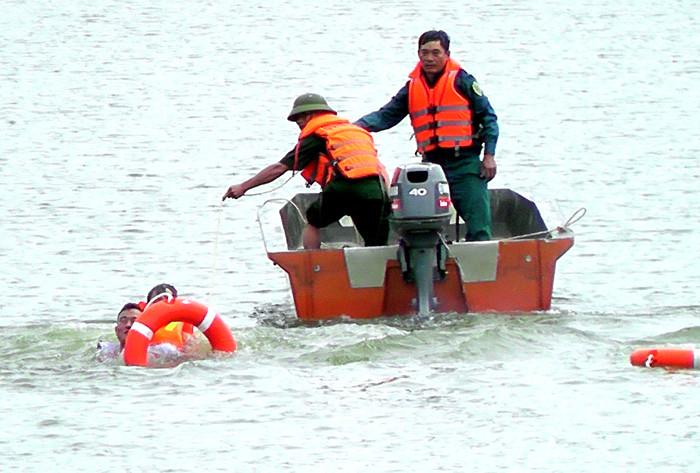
(308, 103)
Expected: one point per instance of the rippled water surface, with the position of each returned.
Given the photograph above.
(123, 123)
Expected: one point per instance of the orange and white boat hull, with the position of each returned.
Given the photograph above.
(367, 282)
(514, 272)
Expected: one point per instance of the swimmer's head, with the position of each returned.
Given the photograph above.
(125, 319)
(161, 290)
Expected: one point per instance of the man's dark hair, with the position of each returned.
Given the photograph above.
(161, 289)
(434, 35)
(128, 306)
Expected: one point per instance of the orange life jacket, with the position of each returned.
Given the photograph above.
(351, 150)
(440, 116)
(173, 333)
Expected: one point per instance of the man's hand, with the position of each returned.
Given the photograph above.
(234, 192)
(268, 174)
(488, 167)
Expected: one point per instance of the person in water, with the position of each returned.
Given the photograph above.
(168, 339)
(159, 292)
(342, 159)
(126, 317)
(125, 320)
(452, 119)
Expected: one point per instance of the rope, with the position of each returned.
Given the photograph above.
(271, 190)
(216, 248)
(218, 229)
(156, 298)
(573, 220)
(575, 217)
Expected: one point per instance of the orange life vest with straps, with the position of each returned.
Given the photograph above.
(440, 116)
(173, 333)
(351, 150)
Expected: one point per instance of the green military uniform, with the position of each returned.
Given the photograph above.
(365, 200)
(468, 191)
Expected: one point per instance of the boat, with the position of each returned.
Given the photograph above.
(425, 268)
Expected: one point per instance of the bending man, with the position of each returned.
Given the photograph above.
(342, 159)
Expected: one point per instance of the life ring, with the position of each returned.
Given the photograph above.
(666, 357)
(176, 310)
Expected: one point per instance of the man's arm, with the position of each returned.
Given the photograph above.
(268, 174)
(389, 115)
(483, 116)
(309, 149)
(483, 112)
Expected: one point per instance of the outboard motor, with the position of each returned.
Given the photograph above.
(421, 213)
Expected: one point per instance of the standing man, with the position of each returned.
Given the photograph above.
(451, 119)
(342, 159)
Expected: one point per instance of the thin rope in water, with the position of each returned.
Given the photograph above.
(216, 249)
(218, 232)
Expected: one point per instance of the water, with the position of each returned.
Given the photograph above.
(123, 123)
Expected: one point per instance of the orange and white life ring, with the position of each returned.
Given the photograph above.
(176, 310)
(666, 357)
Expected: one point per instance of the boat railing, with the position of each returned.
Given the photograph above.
(291, 219)
(512, 215)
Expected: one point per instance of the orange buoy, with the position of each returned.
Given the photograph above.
(666, 357)
(163, 313)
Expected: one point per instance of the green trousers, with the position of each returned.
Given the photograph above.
(470, 195)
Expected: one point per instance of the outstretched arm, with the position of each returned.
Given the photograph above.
(268, 174)
(389, 115)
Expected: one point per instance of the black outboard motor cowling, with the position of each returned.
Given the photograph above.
(421, 213)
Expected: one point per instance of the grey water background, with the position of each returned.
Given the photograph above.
(123, 123)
